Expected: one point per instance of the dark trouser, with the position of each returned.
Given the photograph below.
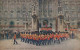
(28, 40)
(21, 39)
(51, 39)
(40, 41)
(37, 42)
(34, 41)
(49, 42)
(25, 40)
(7, 37)
(63, 38)
(15, 42)
(59, 41)
(45, 41)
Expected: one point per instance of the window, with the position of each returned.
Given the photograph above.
(24, 11)
(11, 11)
(5, 23)
(0, 23)
(17, 19)
(59, 9)
(18, 11)
(72, 23)
(5, 20)
(59, 1)
(23, 23)
(61, 22)
(18, 23)
(5, 11)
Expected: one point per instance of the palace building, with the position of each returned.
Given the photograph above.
(18, 15)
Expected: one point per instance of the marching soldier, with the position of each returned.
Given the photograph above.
(34, 39)
(48, 39)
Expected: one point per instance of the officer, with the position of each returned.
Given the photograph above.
(15, 42)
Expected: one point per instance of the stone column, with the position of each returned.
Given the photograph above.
(61, 23)
(34, 22)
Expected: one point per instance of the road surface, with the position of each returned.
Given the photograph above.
(71, 44)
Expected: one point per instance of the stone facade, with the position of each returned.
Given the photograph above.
(19, 13)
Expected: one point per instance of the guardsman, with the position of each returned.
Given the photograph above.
(45, 39)
(23, 37)
(48, 40)
(61, 36)
(40, 41)
(34, 39)
(51, 37)
(58, 37)
(28, 38)
(31, 39)
(54, 38)
(67, 36)
(37, 40)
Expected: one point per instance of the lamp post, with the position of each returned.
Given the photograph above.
(26, 24)
(56, 24)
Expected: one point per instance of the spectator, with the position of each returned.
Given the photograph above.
(7, 35)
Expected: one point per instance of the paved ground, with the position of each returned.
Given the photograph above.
(71, 44)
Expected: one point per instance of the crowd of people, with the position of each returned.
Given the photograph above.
(44, 39)
(8, 35)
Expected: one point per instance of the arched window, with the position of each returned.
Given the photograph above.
(45, 22)
(11, 24)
